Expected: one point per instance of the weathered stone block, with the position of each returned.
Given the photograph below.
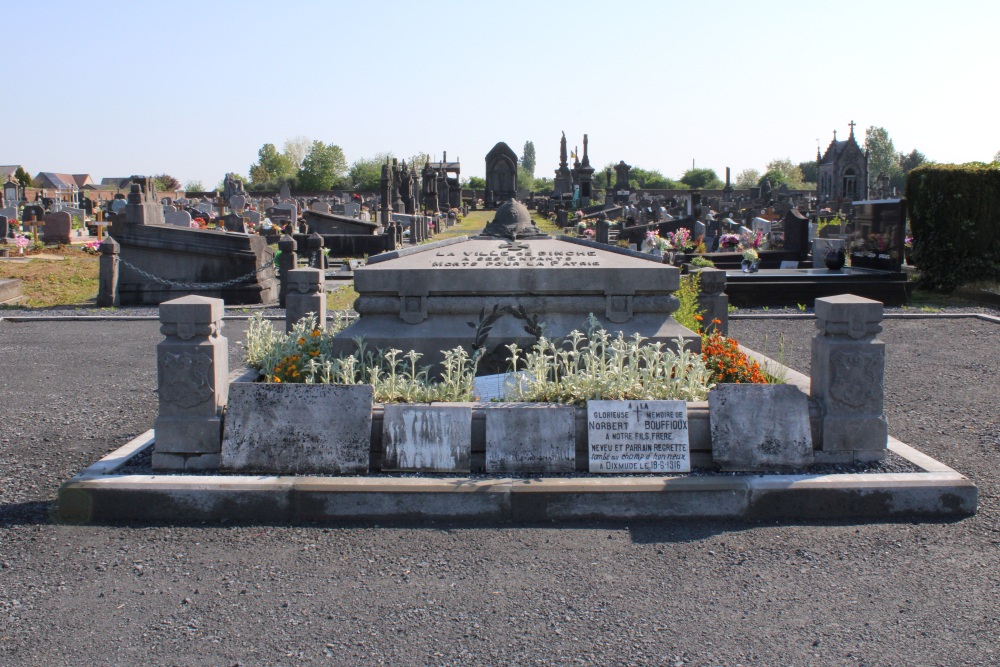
(306, 294)
(530, 438)
(192, 378)
(431, 438)
(759, 427)
(297, 428)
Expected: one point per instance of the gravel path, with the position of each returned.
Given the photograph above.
(677, 593)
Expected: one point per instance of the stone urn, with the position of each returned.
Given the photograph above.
(834, 259)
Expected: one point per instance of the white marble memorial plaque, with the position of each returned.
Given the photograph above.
(638, 436)
(427, 438)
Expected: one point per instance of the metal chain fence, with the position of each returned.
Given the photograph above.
(173, 283)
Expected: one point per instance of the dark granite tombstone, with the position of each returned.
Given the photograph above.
(87, 204)
(622, 188)
(57, 228)
(501, 174)
(4, 229)
(233, 223)
(796, 228)
(32, 213)
(331, 223)
(877, 242)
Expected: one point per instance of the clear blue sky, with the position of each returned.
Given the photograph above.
(193, 89)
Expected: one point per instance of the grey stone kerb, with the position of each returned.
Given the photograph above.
(306, 294)
(193, 384)
(848, 378)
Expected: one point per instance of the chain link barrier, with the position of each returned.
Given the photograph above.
(173, 283)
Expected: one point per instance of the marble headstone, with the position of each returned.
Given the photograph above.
(427, 438)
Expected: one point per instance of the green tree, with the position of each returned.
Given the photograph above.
(525, 181)
(324, 168)
(543, 186)
(22, 177)
(270, 168)
(528, 158)
(748, 178)
(996, 157)
(702, 178)
(912, 160)
(474, 183)
(810, 171)
(166, 183)
(366, 173)
(882, 156)
(194, 186)
(784, 172)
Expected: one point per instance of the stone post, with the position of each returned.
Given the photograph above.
(603, 227)
(848, 366)
(193, 379)
(107, 283)
(306, 294)
(288, 261)
(314, 251)
(713, 302)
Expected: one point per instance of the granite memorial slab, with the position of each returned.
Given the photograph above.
(530, 438)
(760, 426)
(290, 428)
(435, 297)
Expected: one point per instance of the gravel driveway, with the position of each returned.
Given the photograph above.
(677, 593)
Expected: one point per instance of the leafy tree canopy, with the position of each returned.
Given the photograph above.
(295, 151)
(166, 183)
(323, 168)
(474, 183)
(194, 186)
(702, 178)
(748, 178)
(784, 172)
(810, 171)
(528, 158)
(271, 167)
(22, 177)
(912, 160)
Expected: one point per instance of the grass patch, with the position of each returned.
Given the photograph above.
(341, 298)
(55, 277)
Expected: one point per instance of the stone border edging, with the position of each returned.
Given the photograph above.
(96, 494)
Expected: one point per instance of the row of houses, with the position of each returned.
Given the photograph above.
(50, 180)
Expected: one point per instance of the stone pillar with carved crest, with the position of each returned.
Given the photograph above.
(193, 379)
(848, 379)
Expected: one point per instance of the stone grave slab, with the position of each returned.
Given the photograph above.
(759, 427)
(178, 218)
(638, 437)
(57, 228)
(297, 428)
(530, 438)
(427, 438)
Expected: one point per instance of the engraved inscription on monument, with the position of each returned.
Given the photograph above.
(514, 258)
(638, 436)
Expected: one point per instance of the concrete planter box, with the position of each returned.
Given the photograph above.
(242, 401)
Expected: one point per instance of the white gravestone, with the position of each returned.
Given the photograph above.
(424, 438)
(638, 436)
(178, 218)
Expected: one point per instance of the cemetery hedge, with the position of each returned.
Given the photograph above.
(954, 213)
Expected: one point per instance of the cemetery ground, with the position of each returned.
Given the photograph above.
(667, 593)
